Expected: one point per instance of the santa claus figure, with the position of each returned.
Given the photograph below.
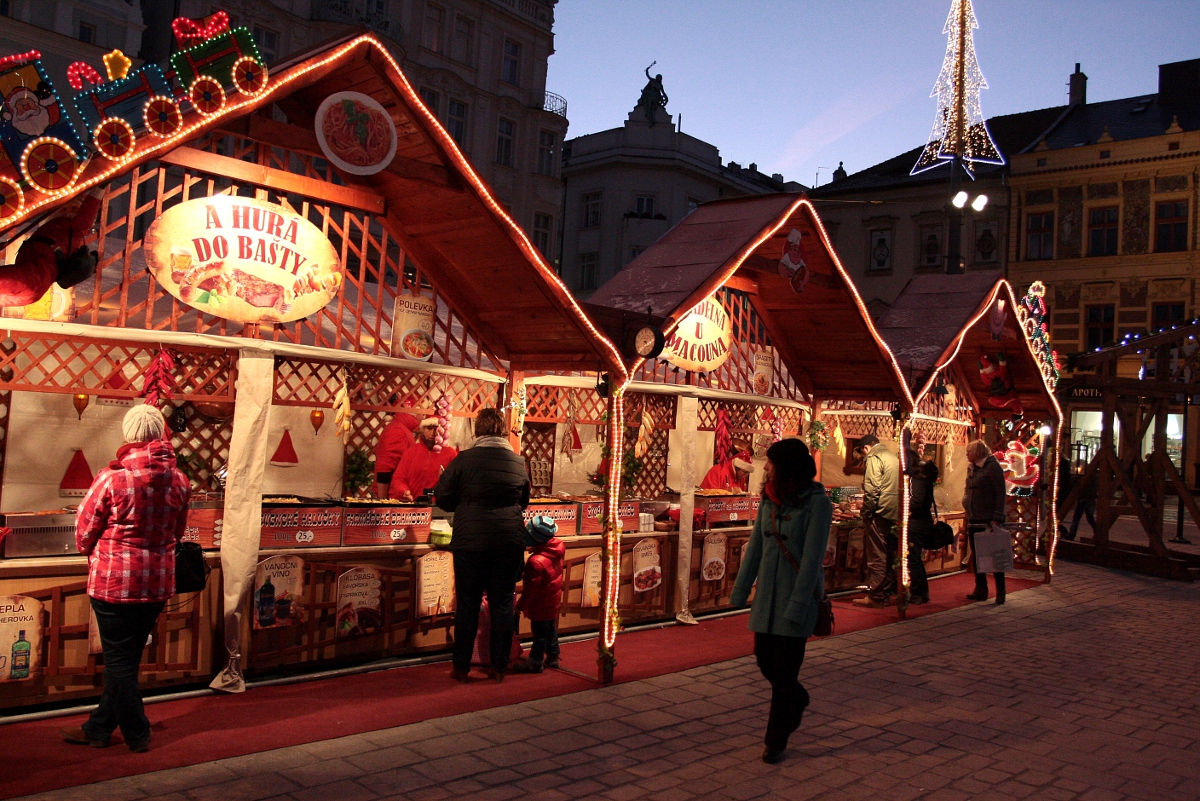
(1000, 388)
(55, 253)
(31, 111)
(793, 266)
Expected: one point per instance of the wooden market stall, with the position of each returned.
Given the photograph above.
(762, 325)
(361, 268)
(980, 366)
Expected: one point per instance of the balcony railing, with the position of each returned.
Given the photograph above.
(555, 104)
(355, 13)
(538, 11)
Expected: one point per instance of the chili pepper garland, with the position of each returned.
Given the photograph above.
(159, 379)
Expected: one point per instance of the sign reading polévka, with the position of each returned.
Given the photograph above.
(700, 343)
(243, 259)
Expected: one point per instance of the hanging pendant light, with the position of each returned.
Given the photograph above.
(317, 418)
(81, 403)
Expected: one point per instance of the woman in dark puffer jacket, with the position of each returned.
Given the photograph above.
(487, 488)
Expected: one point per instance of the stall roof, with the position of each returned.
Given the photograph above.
(823, 332)
(940, 319)
(444, 215)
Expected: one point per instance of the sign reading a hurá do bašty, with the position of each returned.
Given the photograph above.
(700, 343)
(243, 259)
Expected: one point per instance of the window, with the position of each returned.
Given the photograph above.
(435, 23)
(587, 270)
(462, 48)
(268, 43)
(456, 120)
(542, 224)
(87, 33)
(1098, 326)
(1167, 314)
(547, 151)
(635, 251)
(1170, 225)
(931, 246)
(987, 241)
(643, 205)
(880, 258)
(4, 8)
(1102, 232)
(430, 98)
(504, 142)
(510, 69)
(1039, 243)
(591, 210)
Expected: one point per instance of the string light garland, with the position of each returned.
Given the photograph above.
(249, 76)
(20, 58)
(1031, 315)
(116, 64)
(80, 71)
(207, 95)
(211, 56)
(162, 116)
(12, 199)
(959, 130)
(50, 164)
(114, 139)
(189, 30)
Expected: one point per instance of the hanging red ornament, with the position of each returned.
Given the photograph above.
(317, 418)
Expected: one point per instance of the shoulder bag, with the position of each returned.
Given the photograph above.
(824, 626)
(191, 571)
(941, 535)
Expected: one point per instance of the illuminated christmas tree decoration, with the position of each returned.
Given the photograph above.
(960, 131)
(81, 71)
(116, 64)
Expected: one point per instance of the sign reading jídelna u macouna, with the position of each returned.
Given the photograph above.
(700, 342)
(243, 259)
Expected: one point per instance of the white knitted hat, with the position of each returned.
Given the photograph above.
(143, 423)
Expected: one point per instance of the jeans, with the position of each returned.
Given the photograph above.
(124, 629)
(545, 641)
(779, 659)
(1087, 507)
(981, 588)
(494, 573)
(918, 581)
(880, 546)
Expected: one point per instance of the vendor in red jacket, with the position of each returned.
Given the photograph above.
(421, 465)
(395, 439)
(733, 474)
(541, 593)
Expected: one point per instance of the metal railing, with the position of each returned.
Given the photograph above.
(555, 104)
(539, 11)
(355, 13)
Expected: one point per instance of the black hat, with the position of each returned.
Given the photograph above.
(869, 439)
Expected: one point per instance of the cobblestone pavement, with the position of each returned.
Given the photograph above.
(1084, 689)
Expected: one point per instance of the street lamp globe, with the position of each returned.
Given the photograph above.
(960, 200)
(979, 202)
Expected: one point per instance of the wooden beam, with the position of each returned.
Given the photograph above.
(271, 178)
(742, 283)
(1138, 388)
(1177, 335)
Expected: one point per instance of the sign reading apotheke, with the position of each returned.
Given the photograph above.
(243, 259)
(700, 342)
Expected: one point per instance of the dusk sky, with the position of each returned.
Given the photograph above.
(797, 86)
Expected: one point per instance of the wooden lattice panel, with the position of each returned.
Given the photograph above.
(737, 373)
(60, 364)
(125, 294)
(204, 444)
(661, 407)
(537, 444)
(856, 426)
(749, 418)
(652, 480)
(941, 432)
(551, 404)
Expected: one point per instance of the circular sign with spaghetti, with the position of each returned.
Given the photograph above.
(355, 133)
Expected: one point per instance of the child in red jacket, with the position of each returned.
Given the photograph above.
(541, 593)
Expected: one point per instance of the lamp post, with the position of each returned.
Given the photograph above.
(955, 263)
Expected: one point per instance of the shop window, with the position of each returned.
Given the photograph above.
(987, 241)
(881, 251)
(456, 121)
(643, 206)
(87, 33)
(547, 151)
(431, 99)
(462, 48)
(268, 43)
(542, 225)
(931, 246)
(591, 209)
(435, 24)
(1102, 231)
(510, 69)
(505, 132)
(1099, 326)
(587, 270)
(1170, 223)
(1039, 241)
(1166, 315)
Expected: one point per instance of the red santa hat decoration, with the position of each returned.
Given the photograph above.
(285, 454)
(78, 478)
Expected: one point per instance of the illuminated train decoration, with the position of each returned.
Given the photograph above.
(40, 149)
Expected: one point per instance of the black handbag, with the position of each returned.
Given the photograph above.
(940, 536)
(191, 571)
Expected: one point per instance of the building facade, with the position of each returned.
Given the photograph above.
(626, 187)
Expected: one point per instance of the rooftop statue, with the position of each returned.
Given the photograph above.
(653, 97)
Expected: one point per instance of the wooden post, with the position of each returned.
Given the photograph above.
(514, 418)
(610, 584)
(1104, 519)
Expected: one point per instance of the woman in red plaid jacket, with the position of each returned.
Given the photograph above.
(128, 526)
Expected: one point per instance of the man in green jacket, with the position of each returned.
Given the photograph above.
(881, 510)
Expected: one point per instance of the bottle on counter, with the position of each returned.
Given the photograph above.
(266, 603)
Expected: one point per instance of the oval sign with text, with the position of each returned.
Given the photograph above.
(700, 343)
(243, 259)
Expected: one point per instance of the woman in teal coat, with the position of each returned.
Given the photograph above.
(785, 557)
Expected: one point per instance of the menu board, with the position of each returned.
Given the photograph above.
(20, 637)
(435, 584)
(412, 327)
(204, 526)
(731, 508)
(593, 577)
(764, 370)
(712, 557)
(593, 510)
(359, 601)
(278, 592)
(647, 565)
(286, 526)
(386, 525)
(566, 515)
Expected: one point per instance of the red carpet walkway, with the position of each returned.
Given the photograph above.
(218, 726)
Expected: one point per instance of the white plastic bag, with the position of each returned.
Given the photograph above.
(993, 550)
